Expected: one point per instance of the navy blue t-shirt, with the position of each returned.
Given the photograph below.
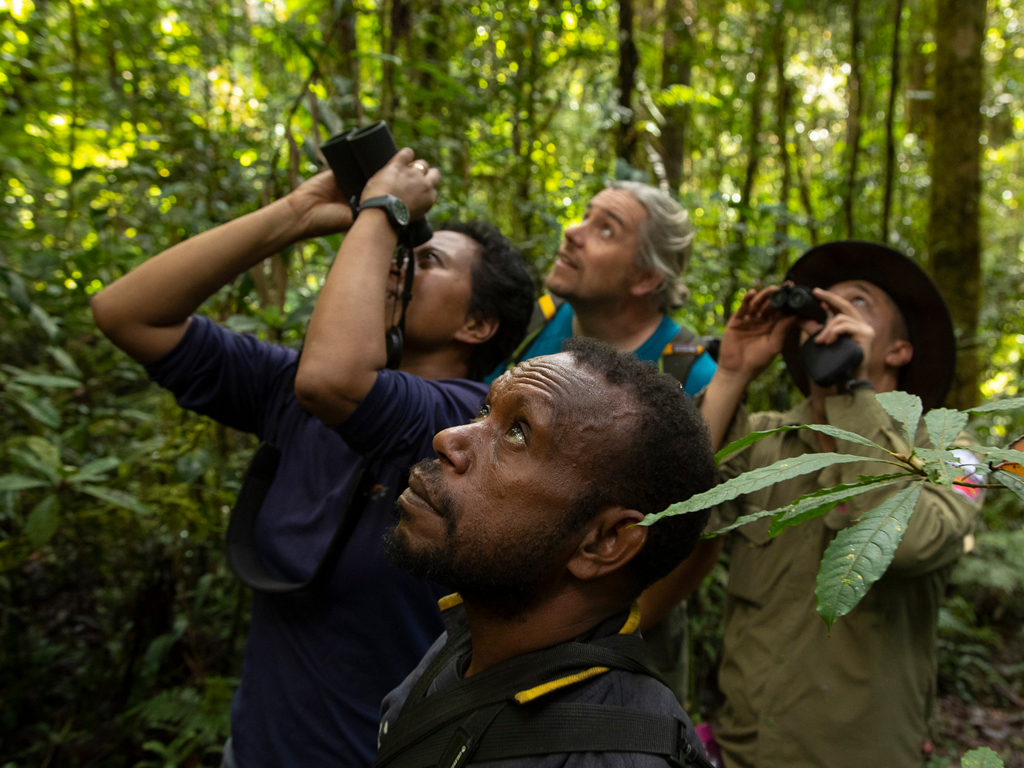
(319, 661)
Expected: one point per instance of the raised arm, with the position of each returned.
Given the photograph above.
(344, 346)
(753, 336)
(147, 311)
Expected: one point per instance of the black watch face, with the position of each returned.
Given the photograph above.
(400, 211)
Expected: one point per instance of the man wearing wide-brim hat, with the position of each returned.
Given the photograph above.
(797, 695)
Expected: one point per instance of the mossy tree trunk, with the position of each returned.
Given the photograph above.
(954, 236)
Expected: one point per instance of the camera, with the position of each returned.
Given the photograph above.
(827, 365)
(358, 153)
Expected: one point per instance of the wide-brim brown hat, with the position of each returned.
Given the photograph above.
(929, 374)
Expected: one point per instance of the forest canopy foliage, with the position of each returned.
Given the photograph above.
(126, 126)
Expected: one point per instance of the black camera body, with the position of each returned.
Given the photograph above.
(827, 365)
(355, 155)
(358, 153)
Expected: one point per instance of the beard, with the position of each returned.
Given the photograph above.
(503, 576)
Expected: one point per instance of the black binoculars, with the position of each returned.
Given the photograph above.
(799, 300)
(358, 153)
(826, 364)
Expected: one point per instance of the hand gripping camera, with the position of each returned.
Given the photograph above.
(355, 155)
(826, 364)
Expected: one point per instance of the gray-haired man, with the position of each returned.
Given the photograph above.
(616, 278)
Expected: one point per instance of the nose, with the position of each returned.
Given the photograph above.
(574, 234)
(453, 447)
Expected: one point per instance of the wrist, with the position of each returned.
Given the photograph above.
(292, 215)
(732, 380)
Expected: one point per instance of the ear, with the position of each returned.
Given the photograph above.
(645, 283)
(612, 539)
(900, 353)
(476, 329)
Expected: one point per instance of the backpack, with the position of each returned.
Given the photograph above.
(502, 713)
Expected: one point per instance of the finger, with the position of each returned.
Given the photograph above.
(404, 156)
(744, 308)
(844, 325)
(837, 303)
(433, 177)
(762, 300)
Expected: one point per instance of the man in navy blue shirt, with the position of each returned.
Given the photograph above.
(318, 661)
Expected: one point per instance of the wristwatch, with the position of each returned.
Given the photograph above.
(398, 214)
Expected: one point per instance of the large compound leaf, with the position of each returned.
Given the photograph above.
(1009, 404)
(117, 498)
(757, 479)
(859, 555)
(944, 424)
(906, 409)
(828, 429)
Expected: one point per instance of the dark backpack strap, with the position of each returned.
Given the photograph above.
(240, 543)
(559, 727)
(682, 352)
(544, 310)
(426, 725)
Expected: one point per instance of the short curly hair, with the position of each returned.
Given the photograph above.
(502, 288)
(665, 458)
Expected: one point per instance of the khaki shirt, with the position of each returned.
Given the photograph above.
(796, 696)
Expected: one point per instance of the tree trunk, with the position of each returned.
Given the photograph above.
(890, 116)
(853, 121)
(676, 66)
(625, 139)
(954, 236)
(348, 47)
(739, 253)
(783, 99)
(918, 94)
(399, 24)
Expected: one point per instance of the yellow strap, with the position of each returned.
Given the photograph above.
(547, 306)
(632, 621)
(535, 693)
(449, 601)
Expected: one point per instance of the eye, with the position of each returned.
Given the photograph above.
(858, 301)
(483, 413)
(516, 435)
(427, 258)
(606, 231)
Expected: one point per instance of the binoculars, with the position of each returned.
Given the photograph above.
(358, 153)
(799, 300)
(826, 364)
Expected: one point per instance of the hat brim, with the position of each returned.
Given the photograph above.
(929, 374)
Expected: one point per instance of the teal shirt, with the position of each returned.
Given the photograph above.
(549, 342)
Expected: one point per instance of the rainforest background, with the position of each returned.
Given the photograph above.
(126, 126)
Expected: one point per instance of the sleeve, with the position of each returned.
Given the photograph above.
(402, 413)
(941, 519)
(233, 378)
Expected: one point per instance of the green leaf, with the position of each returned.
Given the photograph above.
(813, 504)
(42, 522)
(859, 555)
(48, 380)
(44, 449)
(20, 483)
(95, 470)
(906, 409)
(939, 465)
(944, 425)
(828, 429)
(117, 498)
(982, 757)
(828, 498)
(1012, 481)
(46, 322)
(756, 479)
(1008, 404)
(65, 361)
(42, 411)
